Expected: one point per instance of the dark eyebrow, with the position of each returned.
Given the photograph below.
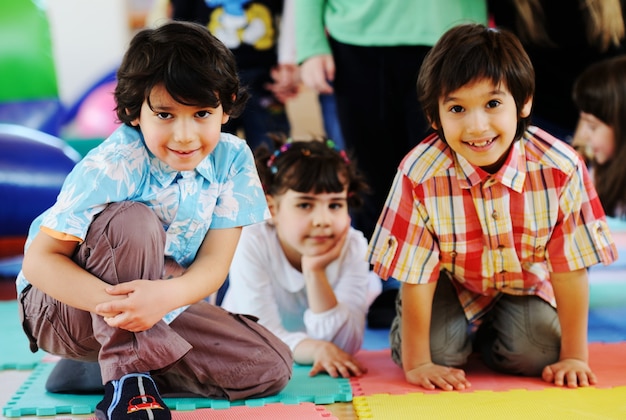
(495, 92)
(309, 197)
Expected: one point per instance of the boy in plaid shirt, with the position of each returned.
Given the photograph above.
(490, 224)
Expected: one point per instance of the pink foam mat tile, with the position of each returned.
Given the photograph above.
(385, 377)
(279, 411)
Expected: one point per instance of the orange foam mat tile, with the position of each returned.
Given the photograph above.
(384, 376)
(549, 404)
(279, 411)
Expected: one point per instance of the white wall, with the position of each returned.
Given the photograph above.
(89, 38)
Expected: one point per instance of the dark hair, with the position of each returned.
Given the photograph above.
(600, 90)
(472, 52)
(309, 165)
(194, 67)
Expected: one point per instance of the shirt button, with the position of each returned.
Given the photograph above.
(453, 254)
(494, 215)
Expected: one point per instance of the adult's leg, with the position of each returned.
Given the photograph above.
(380, 117)
(233, 357)
(450, 343)
(330, 119)
(521, 336)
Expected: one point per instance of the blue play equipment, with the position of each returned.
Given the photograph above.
(33, 166)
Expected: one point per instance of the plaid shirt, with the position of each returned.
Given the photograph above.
(500, 233)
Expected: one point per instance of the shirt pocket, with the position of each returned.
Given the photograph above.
(533, 248)
(460, 257)
(384, 263)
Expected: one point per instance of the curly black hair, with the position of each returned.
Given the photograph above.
(194, 67)
(309, 166)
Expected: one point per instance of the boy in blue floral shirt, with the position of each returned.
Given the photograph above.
(145, 228)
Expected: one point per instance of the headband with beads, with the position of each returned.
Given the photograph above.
(329, 143)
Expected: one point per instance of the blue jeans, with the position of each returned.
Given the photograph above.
(520, 335)
(330, 119)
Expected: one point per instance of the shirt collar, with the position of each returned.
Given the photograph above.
(165, 175)
(512, 173)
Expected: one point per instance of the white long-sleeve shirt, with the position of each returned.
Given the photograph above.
(264, 284)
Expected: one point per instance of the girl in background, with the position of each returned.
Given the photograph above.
(303, 273)
(600, 95)
(562, 38)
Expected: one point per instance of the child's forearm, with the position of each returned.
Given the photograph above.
(572, 297)
(210, 268)
(417, 300)
(48, 266)
(320, 294)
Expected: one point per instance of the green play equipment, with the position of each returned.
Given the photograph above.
(26, 61)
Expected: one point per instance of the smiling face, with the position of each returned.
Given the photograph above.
(308, 224)
(179, 135)
(597, 136)
(479, 122)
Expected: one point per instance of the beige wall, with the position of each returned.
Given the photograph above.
(305, 115)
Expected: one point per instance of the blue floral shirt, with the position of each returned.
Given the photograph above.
(223, 191)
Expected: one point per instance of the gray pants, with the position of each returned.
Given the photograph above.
(206, 351)
(519, 335)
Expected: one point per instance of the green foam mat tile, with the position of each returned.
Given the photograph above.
(32, 399)
(14, 349)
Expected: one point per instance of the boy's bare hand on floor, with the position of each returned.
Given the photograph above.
(569, 372)
(337, 363)
(431, 376)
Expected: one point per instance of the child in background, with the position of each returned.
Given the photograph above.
(562, 38)
(250, 29)
(304, 274)
(600, 95)
(145, 228)
(490, 223)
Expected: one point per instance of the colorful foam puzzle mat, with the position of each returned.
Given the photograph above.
(302, 411)
(385, 377)
(33, 399)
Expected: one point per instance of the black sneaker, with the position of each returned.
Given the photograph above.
(134, 396)
(75, 377)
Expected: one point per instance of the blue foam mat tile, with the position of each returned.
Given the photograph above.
(607, 325)
(14, 347)
(32, 398)
(376, 339)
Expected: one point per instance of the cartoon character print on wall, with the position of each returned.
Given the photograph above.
(234, 23)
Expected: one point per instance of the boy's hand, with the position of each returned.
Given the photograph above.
(144, 305)
(331, 359)
(432, 376)
(570, 372)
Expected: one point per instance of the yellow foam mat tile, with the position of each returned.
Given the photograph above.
(549, 404)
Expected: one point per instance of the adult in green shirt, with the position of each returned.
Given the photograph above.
(372, 50)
